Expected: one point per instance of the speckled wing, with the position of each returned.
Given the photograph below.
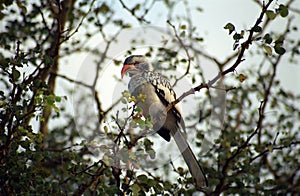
(163, 90)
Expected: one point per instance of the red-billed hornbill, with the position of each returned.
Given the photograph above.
(158, 95)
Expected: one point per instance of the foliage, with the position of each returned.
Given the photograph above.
(44, 149)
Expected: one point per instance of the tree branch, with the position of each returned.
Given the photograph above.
(185, 50)
(132, 12)
(267, 150)
(238, 61)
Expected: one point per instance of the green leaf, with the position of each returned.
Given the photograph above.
(126, 94)
(104, 9)
(270, 14)
(118, 22)
(48, 60)
(148, 144)
(200, 39)
(4, 63)
(123, 101)
(105, 129)
(138, 109)
(55, 108)
(270, 148)
(279, 40)
(268, 39)
(257, 29)
(135, 189)
(279, 50)
(107, 160)
(15, 75)
(2, 96)
(230, 27)
(181, 171)
(182, 34)
(136, 7)
(49, 99)
(237, 36)
(151, 153)
(283, 10)
(199, 9)
(57, 99)
(142, 178)
(267, 49)
(242, 77)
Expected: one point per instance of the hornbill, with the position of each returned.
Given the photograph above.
(159, 94)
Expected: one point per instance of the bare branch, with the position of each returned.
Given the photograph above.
(267, 150)
(83, 187)
(185, 50)
(72, 80)
(80, 23)
(132, 12)
(238, 61)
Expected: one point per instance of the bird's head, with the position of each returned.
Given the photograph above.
(134, 64)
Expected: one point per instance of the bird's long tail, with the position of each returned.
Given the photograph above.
(190, 159)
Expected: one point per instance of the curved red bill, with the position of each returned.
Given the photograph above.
(125, 68)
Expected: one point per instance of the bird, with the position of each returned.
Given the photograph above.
(159, 94)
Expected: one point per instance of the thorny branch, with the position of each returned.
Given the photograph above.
(272, 79)
(263, 153)
(132, 12)
(101, 112)
(72, 80)
(80, 23)
(185, 50)
(259, 127)
(95, 177)
(244, 46)
(133, 140)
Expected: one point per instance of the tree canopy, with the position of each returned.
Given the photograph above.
(68, 132)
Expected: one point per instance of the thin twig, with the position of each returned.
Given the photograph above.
(245, 45)
(132, 12)
(72, 80)
(185, 50)
(274, 148)
(80, 23)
